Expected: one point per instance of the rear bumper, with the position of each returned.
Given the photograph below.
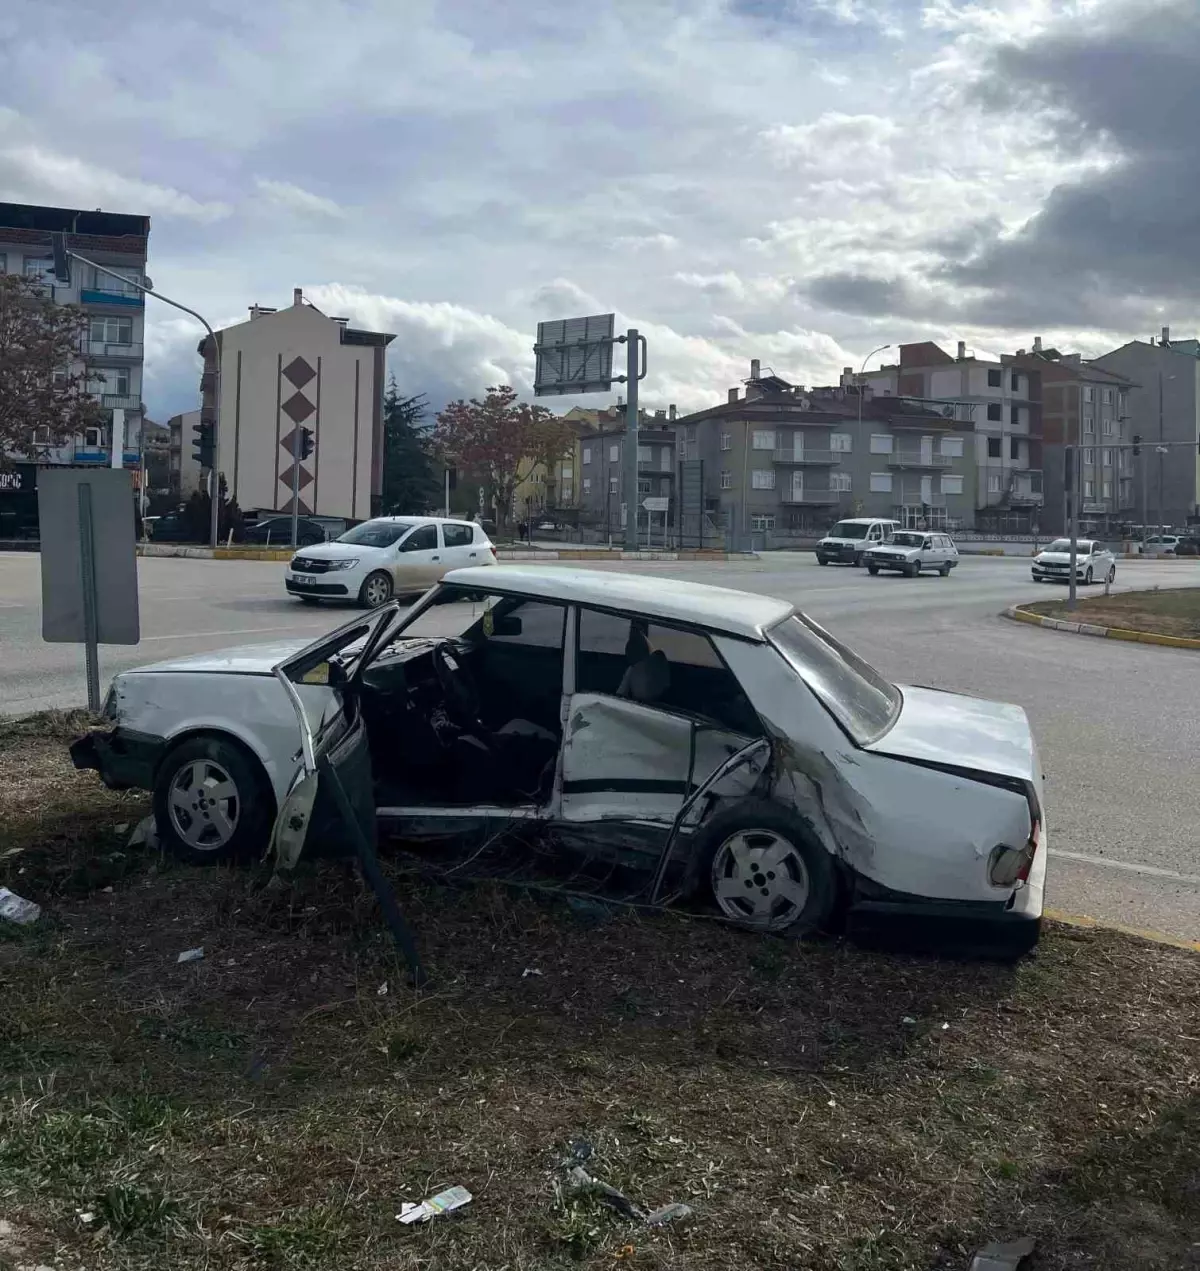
(920, 925)
(123, 758)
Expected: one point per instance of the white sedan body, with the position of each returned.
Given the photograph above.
(912, 552)
(925, 805)
(1094, 562)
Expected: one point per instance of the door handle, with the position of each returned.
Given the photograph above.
(472, 555)
(435, 558)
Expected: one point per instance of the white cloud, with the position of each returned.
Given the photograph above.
(286, 197)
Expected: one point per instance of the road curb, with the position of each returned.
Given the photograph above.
(286, 553)
(1019, 614)
(1142, 933)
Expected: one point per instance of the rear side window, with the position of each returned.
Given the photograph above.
(458, 535)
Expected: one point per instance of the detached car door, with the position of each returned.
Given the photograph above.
(321, 684)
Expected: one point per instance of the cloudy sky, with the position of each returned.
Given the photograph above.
(797, 180)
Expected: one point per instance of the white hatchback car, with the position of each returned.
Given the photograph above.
(720, 745)
(1094, 563)
(911, 551)
(386, 557)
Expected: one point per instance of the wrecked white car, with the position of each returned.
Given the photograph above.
(721, 741)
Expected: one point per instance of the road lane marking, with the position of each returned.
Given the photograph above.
(1151, 870)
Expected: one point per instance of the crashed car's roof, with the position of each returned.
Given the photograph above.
(719, 608)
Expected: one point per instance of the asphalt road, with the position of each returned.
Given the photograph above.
(1118, 724)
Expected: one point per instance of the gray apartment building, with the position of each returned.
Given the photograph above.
(783, 463)
(1003, 401)
(1163, 406)
(601, 496)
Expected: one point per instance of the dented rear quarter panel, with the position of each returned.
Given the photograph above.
(907, 827)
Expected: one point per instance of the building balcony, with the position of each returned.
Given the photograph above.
(102, 349)
(102, 455)
(650, 467)
(120, 401)
(810, 498)
(131, 299)
(909, 499)
(915, 459)
(816, 457)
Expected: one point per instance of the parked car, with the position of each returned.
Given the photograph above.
(276, 531)
(720, 742)
(391, 555)
(1093, 562)
(910, 551)
(170, 528)
(848, 540)
(1189, 545)
(1162, 544)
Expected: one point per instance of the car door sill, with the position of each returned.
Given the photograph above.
(520, 811)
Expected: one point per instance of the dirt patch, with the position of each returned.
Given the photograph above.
(816, 1105)
(1173, 612)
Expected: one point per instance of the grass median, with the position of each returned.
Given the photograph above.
(816, 1105)
(1170, 611)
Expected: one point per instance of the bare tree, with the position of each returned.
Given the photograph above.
(44, 373)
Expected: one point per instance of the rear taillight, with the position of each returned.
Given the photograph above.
(1008, 866)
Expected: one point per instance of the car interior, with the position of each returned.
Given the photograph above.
(474, 716)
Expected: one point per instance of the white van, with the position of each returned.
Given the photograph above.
(849, 539)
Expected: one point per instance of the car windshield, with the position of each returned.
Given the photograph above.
(853, 692)
(376, 533)
(1082, 546)
(848, 529)
(904, 539)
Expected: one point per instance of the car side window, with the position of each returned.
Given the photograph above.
(622, 655)
(421, 540)
(457, 535)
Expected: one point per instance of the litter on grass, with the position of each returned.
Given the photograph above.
(16, 909)
(1002, 1256)
(668, 1213)
(191, 955)
(442, 1203)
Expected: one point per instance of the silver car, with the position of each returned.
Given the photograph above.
(911, 551)
(1094, 563)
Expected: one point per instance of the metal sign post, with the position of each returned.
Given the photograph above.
(87, 584)
(295, 487)
(1071, 473)
(631, 441)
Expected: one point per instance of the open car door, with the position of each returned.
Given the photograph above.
(320, 684)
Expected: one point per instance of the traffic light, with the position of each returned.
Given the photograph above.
(203, 441)
(1137, 444)
(306, 442)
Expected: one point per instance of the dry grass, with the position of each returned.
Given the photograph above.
(1173, 612)
(817, 1106)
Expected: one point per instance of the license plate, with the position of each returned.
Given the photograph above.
(303, 578)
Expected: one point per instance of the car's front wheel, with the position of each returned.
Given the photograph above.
(212, 802)
(1088, 577)
(914, 569)
(873, 570)
(376, 590)
(766, 869)
(1112, 573)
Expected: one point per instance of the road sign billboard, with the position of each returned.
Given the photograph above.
(656, 503)
(574, 356)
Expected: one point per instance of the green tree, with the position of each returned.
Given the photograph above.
(409, 481)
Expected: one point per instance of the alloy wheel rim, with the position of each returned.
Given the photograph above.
(376, 591)
(204, 805)
(760, 879)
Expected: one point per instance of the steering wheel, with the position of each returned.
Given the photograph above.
(458, 686)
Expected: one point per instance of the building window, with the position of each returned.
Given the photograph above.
(762, 524)
(1108, 427)
(993, 447)
(839, 482)
(587, 454)
(1089, 455)
(952, 447)
(111, 331)
(995, 411)
(726, 479)
(881, 444)
(1014, 448)
(1014, 416)
(645, 454)
(726, 443)
(98, 280)
(3, 263)
(612, 485)
(1106, 396)
(994, 483)
(109, 381)
(994, 379)
(1106, 490)
(762, 439)
(840, 443)
(951, 484)
(587, 485)
(762, 479)
(1089, 424)
(881, 482)
(93, 438)
(1015, 382)
(40, 269)
(644, 486)
(1089, 393)
(1089, 489)
(41, 435)
(614, 454)
(691, 434)
(1106, 458)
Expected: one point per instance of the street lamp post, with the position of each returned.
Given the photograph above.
(861, 373)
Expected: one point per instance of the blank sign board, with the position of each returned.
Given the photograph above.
(64, 514)
(574, 356)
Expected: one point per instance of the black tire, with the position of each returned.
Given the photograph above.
(858, 559)
(376, 590)
(310, 540)
(1088, 577)
(873, 570)
(822, 561)
(914, 569)
(762, 816)
(944, 571)
(1112, 573)
(252, 809)
(308, 600)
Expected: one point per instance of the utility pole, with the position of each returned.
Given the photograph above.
(1161, 452)
(861, 386)
(631, 439)
(1071, 472)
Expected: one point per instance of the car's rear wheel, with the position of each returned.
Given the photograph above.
(212, 802)
(376, 590)
(1087, 576)
(765, 868)
(944, 571)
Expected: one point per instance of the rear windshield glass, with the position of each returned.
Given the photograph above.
(848, 529)
(853, 692)
(376, 533)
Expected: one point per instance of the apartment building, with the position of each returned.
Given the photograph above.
(785, 462)
(1083, 405)
(284, 370)
(601, 495)
(113, 341)
(1004, 403)
(1163, 404)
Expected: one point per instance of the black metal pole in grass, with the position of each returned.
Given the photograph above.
(364, 849)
